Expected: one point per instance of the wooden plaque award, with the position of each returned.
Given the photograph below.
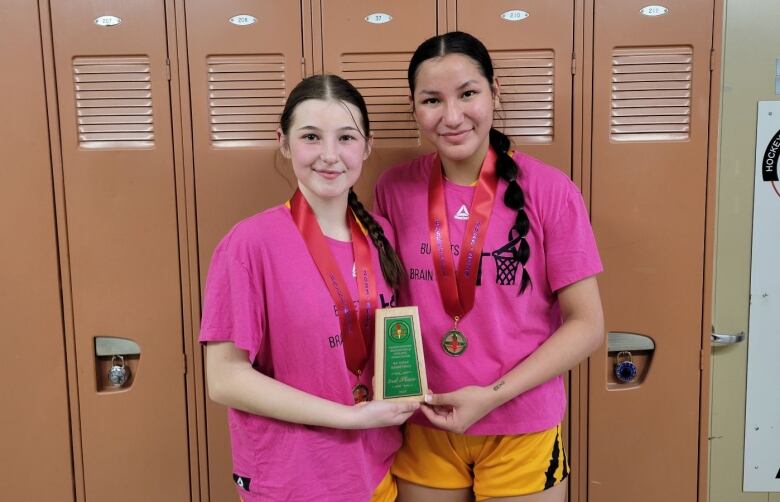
(399, 365)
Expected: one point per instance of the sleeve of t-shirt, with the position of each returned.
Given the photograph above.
(569, 243)
(232, 302)
(380, 199)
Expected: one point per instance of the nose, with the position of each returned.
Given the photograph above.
(328, 153)
(453, 115)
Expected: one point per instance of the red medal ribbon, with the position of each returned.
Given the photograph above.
(356, 324)
(457, 289)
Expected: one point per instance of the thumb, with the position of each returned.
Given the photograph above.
(437, 399)
(407, 406)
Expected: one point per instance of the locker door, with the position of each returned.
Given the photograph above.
(120, 202)
(533, 64)
(370, 44)
(34, 423)
(244, 58)
(649, 155)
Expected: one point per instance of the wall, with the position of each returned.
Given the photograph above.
(751, 45)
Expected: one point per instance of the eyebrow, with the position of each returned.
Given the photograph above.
(462, 86)
(315, 128)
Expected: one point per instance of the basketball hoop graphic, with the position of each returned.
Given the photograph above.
(507, 262)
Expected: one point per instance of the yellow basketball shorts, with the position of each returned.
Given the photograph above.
(496, 466)
(386, 490)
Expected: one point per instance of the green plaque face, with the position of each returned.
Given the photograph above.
(400, 358)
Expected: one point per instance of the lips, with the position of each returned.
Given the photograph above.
(456, 136)
(329, 173)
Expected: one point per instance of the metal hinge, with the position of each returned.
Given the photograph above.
(573, 65)
(303, 66)
(168, 68)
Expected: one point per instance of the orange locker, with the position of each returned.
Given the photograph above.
(650, 140)
(370, 44)
(123, 247)
(534, 66)
(36, 462)
(243, 59)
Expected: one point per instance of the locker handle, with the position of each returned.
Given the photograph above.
(727, 338)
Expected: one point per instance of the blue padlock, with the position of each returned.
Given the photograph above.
(625, 369)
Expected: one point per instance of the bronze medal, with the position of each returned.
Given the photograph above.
(454, 342)
(360, 393)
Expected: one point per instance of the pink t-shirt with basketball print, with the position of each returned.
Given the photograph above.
(503, 328)
(265, 294)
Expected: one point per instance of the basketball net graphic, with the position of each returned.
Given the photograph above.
(507, 262)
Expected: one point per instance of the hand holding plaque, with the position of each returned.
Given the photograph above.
(399, 364)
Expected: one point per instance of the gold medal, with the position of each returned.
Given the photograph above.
(454, 342)
(360, 393)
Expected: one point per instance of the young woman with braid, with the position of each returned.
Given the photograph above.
(288, 319)
(501, 261)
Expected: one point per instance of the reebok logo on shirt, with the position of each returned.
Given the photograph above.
(241, 481)
(463, 213)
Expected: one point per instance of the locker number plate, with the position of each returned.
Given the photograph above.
(379, 18)
(654, 10)
(107, 21)
(514, 15)
(243, 20)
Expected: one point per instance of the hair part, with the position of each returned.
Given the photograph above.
(458, 42)
(334, 88)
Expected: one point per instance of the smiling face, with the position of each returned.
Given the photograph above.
(326, 146)
(453, 105)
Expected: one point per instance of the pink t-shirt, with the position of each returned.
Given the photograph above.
(503, 328)
(265, 294)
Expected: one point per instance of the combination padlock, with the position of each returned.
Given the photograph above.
(118, 373)
(625, 369)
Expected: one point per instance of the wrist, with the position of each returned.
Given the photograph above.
(498, 392)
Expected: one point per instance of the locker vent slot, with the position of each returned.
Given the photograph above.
(651, 94)
(114, 102)
(381, 79)
(527, 80)
(246, 97)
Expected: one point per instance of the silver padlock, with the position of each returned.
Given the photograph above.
(118, 373)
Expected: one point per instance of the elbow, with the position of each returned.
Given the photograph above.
(216, 389)
(598, 334)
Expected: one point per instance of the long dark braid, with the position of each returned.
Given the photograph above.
(514, 198)
(392, 268)
(458, 42)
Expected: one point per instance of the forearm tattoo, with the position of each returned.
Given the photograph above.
(498, 385)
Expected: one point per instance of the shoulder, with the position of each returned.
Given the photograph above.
(406, 174)
(539, 175)
(253, 234)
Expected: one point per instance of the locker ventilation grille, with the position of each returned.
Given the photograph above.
(527, 89)
(381, 79)
(246, 97)
(114, 102)
(651, 94)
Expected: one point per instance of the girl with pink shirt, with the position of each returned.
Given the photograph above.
(288, 319)
(501, 261)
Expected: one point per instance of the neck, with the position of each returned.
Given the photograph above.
(330, 214)
(465, 171)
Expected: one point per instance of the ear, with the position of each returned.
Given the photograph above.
(495, 88)
(411, 105)
(284, 144)
(369, 145)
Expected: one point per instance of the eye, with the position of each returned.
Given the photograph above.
(309, 137)
(430, 101)
(347, 137)
(470, 93)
